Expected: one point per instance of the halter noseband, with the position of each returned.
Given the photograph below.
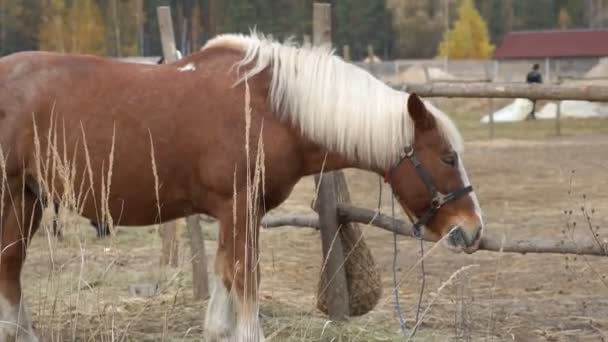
(438, 198)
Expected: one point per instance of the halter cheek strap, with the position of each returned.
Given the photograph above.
(438, 199)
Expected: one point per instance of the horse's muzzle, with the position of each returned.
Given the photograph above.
(459, 239)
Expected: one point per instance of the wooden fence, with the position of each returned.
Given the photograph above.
(484, 89)
(331, 214)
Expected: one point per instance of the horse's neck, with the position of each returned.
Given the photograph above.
(318, 159)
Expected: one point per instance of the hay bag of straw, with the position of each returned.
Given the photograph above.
(362, 277)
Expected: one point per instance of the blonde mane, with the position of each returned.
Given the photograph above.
(334, 103)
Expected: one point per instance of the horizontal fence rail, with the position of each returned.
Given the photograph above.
(348, 213)
(508, 90)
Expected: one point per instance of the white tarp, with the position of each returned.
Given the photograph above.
(549, 111)
(517, 110)
(574, 109)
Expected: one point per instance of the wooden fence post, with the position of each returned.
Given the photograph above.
(346, 53)
(333, 256)
(200, 282)
(335, 288)
(558, 114)
(169, 244)
(321, 24)
(490, 78)
(427, 75)
(167, 37)
(168, 231)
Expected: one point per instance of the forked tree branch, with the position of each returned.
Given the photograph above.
(347, 213)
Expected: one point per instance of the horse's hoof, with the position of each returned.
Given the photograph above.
(225, 335)
(219, 331)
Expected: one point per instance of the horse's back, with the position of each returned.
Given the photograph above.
(181, 115)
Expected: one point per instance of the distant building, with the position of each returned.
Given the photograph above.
(563, 52)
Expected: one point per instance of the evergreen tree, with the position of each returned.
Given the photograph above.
(241, 16)
(419, 26)
(10, 25)
(360, 23)
(26, 38)
(499, 16)
(292, 18)
(535, 15)
(469, 36)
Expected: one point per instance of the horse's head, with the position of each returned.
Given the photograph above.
(432, 185)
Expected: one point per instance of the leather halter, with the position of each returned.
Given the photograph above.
(438, 198)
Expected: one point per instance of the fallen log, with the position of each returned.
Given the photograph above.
(347, 213)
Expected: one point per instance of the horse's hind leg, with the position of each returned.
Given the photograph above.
(220, 319)
(102, 229)
(20, 219)
(56, 229)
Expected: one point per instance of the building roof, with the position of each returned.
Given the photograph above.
(554, 43)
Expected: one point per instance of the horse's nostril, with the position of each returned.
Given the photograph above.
(456, 237)
(459, 237)
(477, 234)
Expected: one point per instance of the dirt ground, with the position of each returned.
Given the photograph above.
(526, 179)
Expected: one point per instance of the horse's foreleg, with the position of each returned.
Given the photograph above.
(232, 314)
(246, 283)
(20, 219)
(220, 319)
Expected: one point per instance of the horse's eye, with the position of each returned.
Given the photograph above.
(450, 159)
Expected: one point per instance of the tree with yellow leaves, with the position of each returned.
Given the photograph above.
(79, 28)
(88, 28)
(54, 31)
(469, 38)
(563, 18)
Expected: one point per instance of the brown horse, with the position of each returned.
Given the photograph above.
(141, 144)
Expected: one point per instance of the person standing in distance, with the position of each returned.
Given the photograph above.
(534, 76)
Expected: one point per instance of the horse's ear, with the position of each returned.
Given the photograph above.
(418, 112)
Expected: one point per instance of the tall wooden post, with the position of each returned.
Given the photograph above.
(200, 282)
(195, 28)
(168, 231)
(321, 24)
(139, 20)
(167, 36)
(333, 257)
